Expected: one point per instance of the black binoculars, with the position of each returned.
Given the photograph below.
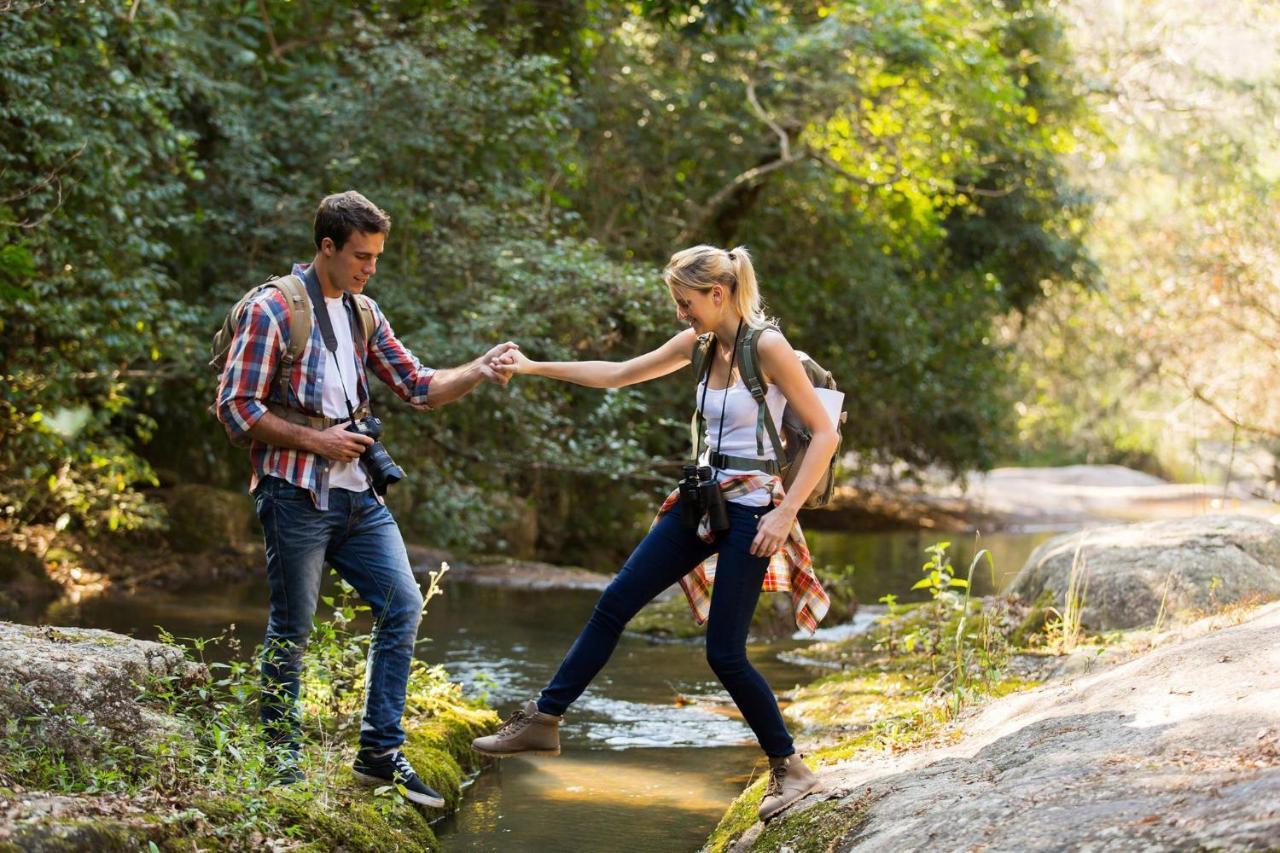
(700, 495)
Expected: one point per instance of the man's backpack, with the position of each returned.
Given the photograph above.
(300, 318)
(790, 446)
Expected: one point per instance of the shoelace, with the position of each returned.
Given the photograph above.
(776, 774)
(514, 723)
(403, 769)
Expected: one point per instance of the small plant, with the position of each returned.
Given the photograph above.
(1064, 629)
(939, 575)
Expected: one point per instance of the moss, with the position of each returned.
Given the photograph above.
(102, 835)
(820, 828)
(740, 817)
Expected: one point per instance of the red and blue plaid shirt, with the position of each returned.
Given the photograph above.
(246, 384)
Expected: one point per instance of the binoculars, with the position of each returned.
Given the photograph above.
(700, 495)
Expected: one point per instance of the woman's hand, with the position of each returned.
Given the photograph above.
(510, 362)
(772, 532)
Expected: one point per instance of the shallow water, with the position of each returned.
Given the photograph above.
(643, 767)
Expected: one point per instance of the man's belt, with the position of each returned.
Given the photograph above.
(294, 416)
(744, 463)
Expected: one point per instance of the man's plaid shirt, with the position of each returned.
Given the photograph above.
(246, 383)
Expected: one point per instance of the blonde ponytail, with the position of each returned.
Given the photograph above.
(702, 267)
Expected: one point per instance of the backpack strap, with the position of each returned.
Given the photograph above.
(749, 360)
(366, 320)
(703, 347)
(295, 295)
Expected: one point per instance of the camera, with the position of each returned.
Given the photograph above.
(376, 461)
(700, 495)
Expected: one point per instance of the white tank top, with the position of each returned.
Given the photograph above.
(740, 413)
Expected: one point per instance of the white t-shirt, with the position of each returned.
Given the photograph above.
(342, 475)
(740, 413)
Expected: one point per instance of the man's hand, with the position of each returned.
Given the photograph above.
(510, 363)
(489, 363)
(338, 445)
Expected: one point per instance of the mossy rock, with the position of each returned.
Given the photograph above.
(202, 518)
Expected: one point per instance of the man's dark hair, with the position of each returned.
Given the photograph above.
(341, 213)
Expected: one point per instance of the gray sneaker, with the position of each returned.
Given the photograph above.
(789, 780)
(528, 731)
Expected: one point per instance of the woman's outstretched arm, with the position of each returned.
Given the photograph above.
(669, 357)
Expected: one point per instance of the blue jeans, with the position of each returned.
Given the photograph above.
(359, 538)
(666, 554)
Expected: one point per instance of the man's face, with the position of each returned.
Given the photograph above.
(351, 266)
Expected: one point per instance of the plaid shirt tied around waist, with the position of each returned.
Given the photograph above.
(790, 569)
(247, 383)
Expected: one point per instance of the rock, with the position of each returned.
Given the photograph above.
(202, 518)
(25, 587)
(1133, 570)
(84, 684)
(1178, 749)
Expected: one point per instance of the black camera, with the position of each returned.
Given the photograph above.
(700, 495)
(376, 461)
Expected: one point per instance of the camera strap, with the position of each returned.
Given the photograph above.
(706, 384)
(321, 312)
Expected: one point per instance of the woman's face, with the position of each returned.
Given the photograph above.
(700, 309)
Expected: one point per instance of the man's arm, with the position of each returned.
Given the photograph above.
(423, 387)
(452, 383)
(335, 443)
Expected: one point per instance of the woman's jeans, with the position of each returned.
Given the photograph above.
(667, 554)
(359, 538)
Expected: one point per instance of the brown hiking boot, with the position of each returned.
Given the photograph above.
(789, 780)
(527, 731)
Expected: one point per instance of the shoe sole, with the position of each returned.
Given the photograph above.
(551, 752)
(817, 785)
(420, 799)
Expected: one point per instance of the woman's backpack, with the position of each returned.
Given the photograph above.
(789, 444)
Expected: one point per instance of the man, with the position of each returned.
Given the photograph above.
(312, 493)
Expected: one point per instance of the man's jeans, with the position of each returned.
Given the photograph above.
(359, 538)
(666, 554)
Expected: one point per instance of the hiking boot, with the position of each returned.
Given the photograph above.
(789, 780)
(392, 768)
(527, 731)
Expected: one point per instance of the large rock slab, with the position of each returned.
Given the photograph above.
(1178, 749)
(84, 683)
(1134, 571)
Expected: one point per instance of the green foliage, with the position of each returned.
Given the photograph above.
(540, 162)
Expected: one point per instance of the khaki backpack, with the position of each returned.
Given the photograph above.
(300, 317)
(790, 446)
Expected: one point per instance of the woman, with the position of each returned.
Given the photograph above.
(715, 292)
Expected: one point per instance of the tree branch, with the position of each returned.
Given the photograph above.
(54, 177)
(1198, 393)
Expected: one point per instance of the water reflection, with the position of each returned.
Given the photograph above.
(640, 799)
(890, 562)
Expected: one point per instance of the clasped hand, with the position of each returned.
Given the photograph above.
(492, 363)
(508, 363)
